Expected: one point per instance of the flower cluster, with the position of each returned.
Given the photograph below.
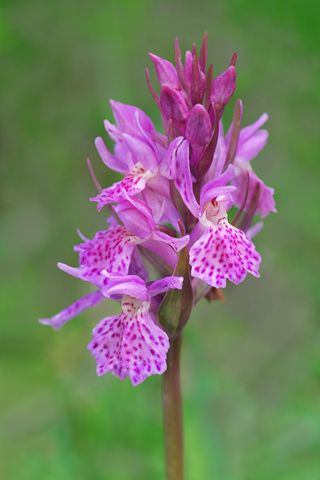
(169, 242)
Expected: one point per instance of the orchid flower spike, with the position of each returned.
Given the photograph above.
(168, 233)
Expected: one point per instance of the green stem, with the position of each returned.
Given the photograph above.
(173, 412)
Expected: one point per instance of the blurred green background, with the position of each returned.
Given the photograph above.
(251, 365)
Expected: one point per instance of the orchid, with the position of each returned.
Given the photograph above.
(131, 343)
(169, 241)
(112, 249)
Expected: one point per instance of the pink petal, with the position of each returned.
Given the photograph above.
(142, 152)
(114, 133)
(108, 159)
(223, 252)
(216, 187)
(220, 155)
(124, 117)
(168, 164)
(162, 207)
(165, 284)
(248, 131)
(110, 250)
(136, 216)
(163, 250)
(266, 203)
(176, 243)
(130, 344)
(166, 72)
(252, 232)
(133, 183)
(129, 285)
(68, 313)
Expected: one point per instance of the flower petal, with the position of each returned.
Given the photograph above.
(163, 210)
(248, 131)
(124, 117)
(68, 313)
(252, 232)
(266, 203)
(217, 186)
(142, 151)
(133, 183)
(247, 150)
(135, 221)
(110, 250)
(136, 216)
(220, 155)
(130, 344)
(165, 284)
(183, 180)
(168, 163)
(131, 285)
(176, 243)
(110, 160)
(223, 252)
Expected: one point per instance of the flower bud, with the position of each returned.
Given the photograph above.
(223, 88)
(166, 72)
(173, 106)
(188, 67)
(198, 127)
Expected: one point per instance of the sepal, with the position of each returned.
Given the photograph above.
(58, 320)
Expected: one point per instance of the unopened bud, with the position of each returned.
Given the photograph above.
(166, 72)
(173, 105)
(223, 88)
(198, 128)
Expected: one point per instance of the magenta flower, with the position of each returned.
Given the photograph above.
(223, 251)
(58, 320)
(219, 250)
(109, 249)
(132, 343)
(112, 249)
(137, 155)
